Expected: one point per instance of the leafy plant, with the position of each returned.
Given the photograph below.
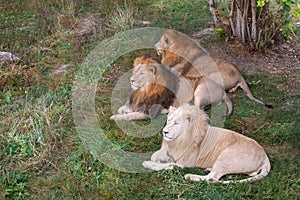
(257, 23)
(220, 32)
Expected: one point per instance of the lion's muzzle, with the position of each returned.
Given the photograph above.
(158, 49)
(132, 84)
(166, 136)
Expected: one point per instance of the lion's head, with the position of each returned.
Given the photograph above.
(181, 52)
(143, 76)
(185, 130)
(167, 41)
(176, 42)
(184, 122)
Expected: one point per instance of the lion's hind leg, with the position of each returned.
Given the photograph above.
(228, 104)
(194, 177)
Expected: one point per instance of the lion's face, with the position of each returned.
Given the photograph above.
(142, 76)
(166, 42)
(161, 45)
(178, 123)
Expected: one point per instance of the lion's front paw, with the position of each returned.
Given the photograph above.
(192, 177)
(157, 166)
(124, 110)
(113, 117)
(147, 164)
(117, 117)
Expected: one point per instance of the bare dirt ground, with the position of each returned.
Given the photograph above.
(281, 60)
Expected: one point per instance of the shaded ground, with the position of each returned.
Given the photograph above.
(283, 60)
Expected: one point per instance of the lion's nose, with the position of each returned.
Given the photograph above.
(165, 132)
(131, 81)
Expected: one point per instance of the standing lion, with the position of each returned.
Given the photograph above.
(189, 141)
(188, 58)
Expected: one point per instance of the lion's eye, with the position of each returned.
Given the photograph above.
(166, 40)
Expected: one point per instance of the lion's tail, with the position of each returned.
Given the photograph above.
(262, 172)
(246, 89)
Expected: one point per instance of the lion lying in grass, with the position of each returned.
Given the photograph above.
(187, 57)
(189, 141)
(156, 88)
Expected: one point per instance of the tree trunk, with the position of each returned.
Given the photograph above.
(212, 10)
(230, 11)
(253, 26)
(238, 25)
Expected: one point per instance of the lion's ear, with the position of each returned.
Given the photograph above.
(189, 117)
(166, 40)
(153, 69)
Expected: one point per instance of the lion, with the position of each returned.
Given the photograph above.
(153, 92)
(189, 141)
(188, 58)
(156, 88)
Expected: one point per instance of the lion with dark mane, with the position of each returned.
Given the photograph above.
(153, 91)
(189, 141)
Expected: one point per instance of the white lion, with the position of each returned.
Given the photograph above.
(189, 141)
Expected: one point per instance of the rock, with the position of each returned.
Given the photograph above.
(7, 56)
(60, 69)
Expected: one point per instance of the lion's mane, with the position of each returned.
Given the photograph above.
(161, 91)
(185, 149)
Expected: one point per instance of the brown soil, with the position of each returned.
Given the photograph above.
(282, 60)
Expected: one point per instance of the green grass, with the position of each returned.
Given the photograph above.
(41, 154)
(187, 16)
